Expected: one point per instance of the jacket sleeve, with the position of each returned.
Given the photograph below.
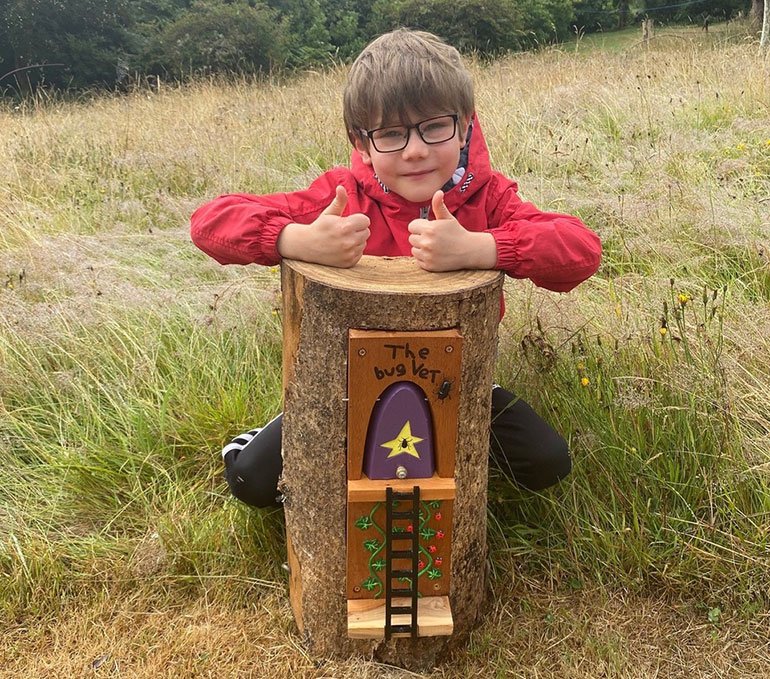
(555, 251)
(243, 229)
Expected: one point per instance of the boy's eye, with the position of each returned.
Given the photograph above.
(437, 127)
(390, 133)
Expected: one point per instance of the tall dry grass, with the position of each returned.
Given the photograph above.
(127, 358)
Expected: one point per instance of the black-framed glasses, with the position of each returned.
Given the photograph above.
(396, 137)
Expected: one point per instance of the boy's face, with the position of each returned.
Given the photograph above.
(418, 170)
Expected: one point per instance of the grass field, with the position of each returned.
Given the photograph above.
(127, 358)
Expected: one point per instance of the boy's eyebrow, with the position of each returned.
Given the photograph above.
(417, 118)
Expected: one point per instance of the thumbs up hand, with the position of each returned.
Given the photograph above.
(443, 244)
(331, 239)
(337, 206)
(440, 210)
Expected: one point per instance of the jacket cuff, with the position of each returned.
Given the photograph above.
(507, 251)
(268, 242)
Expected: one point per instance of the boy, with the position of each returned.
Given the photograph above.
(418, 149)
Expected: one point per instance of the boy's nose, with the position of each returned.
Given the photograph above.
(415, 147)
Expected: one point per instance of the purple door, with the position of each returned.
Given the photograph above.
(400, 435)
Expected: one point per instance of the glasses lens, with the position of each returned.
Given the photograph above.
(436, 130)
(389, 138)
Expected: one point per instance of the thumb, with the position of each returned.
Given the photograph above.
(337, 206)
(440, 210)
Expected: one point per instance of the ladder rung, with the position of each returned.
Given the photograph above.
(401, 629)
(402, 515)
(401, 554)
(398, 610)
(402, 536)
(397, 495)
(401, 592)
(401, 574)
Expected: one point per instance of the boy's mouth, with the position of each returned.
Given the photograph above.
(419, 173)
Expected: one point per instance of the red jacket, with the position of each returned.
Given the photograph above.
(555, 251)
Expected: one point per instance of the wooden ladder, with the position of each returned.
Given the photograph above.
(411, 553)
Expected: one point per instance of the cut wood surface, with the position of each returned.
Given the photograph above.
(394, 274)
(366, 618)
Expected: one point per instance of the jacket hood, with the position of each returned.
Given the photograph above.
(476, 174)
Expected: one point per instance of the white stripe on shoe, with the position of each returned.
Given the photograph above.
(240, 441)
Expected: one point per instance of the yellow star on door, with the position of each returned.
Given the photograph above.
(404, 444)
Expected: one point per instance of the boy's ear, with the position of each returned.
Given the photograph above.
(362, 148)
(464, 123)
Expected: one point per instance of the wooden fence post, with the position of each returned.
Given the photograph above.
(415, 320)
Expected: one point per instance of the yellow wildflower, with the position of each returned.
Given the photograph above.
(740, 147)
(663, 331)
(683, 299)
(584, 381)
(633, 449)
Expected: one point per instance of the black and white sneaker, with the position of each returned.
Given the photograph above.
(253, 464)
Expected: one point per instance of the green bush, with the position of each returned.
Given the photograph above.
(216, 38)
(305, 26)
(718, 10)
(84, 38)
(484, 26)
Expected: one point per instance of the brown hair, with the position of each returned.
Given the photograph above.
(404, 73)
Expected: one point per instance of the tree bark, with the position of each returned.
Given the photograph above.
(765, 39)
(622, 13)
(756, 13)
(320, 305)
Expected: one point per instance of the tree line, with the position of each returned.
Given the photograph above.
(85, 43)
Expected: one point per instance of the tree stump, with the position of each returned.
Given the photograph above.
(323, 308)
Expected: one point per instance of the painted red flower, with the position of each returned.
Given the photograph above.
(440, 535)
(438, 516)
(432, 549)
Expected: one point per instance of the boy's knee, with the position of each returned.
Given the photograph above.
(248, 484)
(253, 471)
(554, 463)
(524, 445)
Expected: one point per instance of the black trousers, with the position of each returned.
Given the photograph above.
(521, 443)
